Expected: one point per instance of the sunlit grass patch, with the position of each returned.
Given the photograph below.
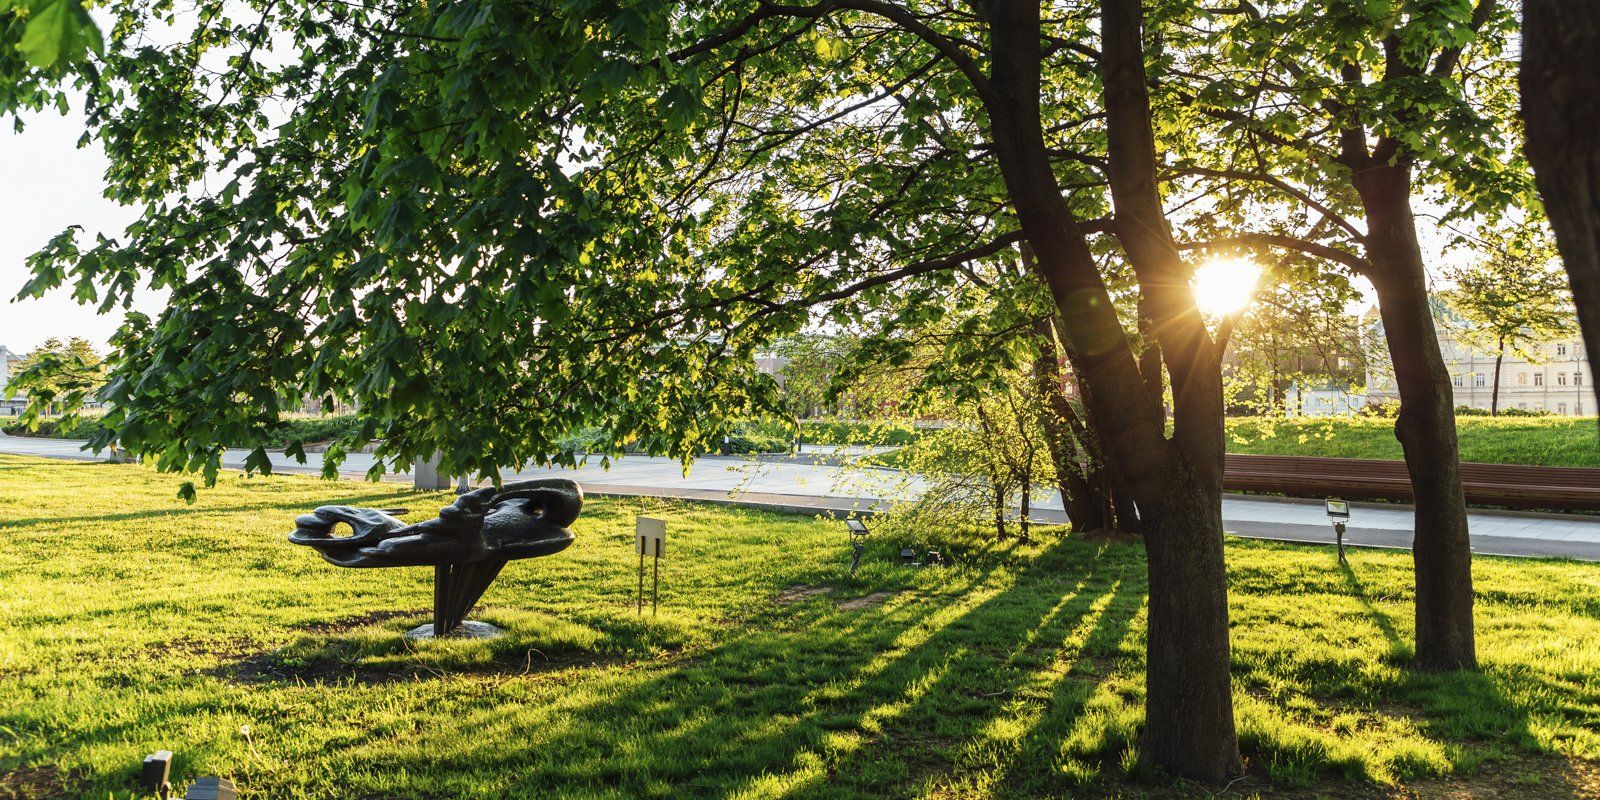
(130, 622)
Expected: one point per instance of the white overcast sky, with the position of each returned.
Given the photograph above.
(46, 184)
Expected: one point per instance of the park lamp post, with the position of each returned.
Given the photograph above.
(1339, 515)
(858, 541)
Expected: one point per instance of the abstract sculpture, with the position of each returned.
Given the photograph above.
(466, 546)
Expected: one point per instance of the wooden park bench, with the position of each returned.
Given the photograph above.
(1507, 485)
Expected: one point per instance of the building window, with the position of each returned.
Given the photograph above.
(1561, 349)
(1561, 408)
(1479, 380)
(1457, 380)
(1561, 379)
(1538, 379)
(1577, 379)
(1522, 379)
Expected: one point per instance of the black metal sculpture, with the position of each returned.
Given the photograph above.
(467, 545)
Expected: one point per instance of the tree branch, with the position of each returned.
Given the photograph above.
(900, 15)
(1322, 251)
(1284, 187)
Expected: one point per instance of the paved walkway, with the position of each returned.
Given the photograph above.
(816, 487)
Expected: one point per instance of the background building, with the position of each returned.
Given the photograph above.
(1325, 399)
(1556, 382)
(11, 402)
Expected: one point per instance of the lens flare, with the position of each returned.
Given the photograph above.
(1224, 285)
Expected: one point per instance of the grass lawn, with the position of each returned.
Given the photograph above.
(131, 622)
(1546, 441)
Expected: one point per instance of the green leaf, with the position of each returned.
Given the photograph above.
(258, 461)
(57, 31)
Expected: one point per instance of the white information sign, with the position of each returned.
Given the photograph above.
(651, 539)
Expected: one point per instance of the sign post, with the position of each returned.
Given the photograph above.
(650, 539)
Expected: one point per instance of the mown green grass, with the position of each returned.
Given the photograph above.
(1545, 441)
(131, 622)
(1542, 441)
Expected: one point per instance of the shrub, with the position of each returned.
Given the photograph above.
(1463, 410)
(744, 440)
(53, 428)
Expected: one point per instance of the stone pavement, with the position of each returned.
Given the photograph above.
(797, 485)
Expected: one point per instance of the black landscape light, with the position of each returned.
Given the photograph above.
(908, 557)
(1339, 514)
(153, 777)
(212, 789)
(858, 541)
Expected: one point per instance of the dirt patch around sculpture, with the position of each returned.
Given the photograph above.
(372, 649)
(35, 783)
(799, 593)
(868, 601)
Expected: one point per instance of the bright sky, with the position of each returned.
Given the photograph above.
(48, 184)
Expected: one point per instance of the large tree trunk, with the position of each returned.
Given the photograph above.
(1115, 497)
(1426, 427)
(1189, 726)
(1561, 112)
(1176, 483)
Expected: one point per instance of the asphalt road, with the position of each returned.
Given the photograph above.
(802, 485)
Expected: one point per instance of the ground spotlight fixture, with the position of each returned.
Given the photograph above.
(154, 775)
(908, 557)
(212, 789)
(858, 541)
(1339, 514)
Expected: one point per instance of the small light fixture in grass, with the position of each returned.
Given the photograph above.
(212, 789)
(155, 774)
(1339, 514)
(908, 557)
(858, 541)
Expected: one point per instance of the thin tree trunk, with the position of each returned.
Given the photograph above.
(996, 480)
(1494, 394)
(1076, 480)
(1426, 427)
(1024, 524)
(999, 501)
(1561, 112)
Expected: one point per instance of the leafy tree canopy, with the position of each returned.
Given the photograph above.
(1296, 99)
(1513, 295)
(487, 223)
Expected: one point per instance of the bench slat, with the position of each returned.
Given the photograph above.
(1512, 485)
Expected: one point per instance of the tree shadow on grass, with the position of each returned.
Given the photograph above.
(1015, 683)
(1487, 730)
(830, 704)
(1400, 650)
